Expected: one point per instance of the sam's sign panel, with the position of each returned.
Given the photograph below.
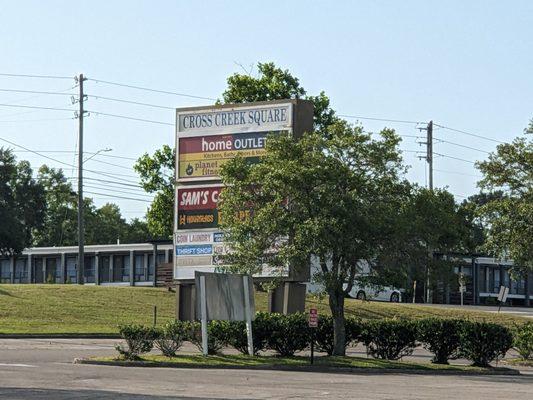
(197, 207)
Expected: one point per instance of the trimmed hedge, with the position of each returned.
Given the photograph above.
(139, 339)
(288, 333)
(523, 340)
(170, 338)
(441, 337)
(484, 342)
(324, 333)
(389, 339)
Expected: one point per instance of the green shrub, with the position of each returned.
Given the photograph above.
(324, 333)
(261, 330)
(139, 339)
(389, 339)
(441, 337)
(171, 337)
(288, 333)
(523, 340)
(483, 342)
(216, 335)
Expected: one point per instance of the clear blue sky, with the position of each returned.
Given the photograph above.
(466, 65)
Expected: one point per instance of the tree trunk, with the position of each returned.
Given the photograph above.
(336, 304)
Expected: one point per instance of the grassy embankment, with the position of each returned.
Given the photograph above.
(56, 309)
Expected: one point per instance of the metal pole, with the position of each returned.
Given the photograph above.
(81, 230)
(203, 310)
(430, 153)
(248, 313)
(312, 345)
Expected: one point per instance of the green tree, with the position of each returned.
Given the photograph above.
(22, 204)
(334, 197)
(509, 218)
(103, 225)
(430, 226)
(271, 83)
(157, 176)
(60, 219)
(136, 232)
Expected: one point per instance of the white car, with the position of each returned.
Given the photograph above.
(383, 293)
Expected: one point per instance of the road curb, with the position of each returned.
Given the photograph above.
(58, 336)
(300, 368)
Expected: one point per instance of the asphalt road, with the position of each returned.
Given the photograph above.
(43, 369)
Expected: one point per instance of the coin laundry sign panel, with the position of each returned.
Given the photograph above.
(209, 138)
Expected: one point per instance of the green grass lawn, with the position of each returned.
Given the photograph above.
(55, 309)
(244, 361)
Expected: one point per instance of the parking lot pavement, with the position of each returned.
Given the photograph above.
(43, 369)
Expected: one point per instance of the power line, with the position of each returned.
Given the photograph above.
(118, 197)
(131, 102)
(382, 119)
(130, 118)
(462, 145)
(114, 182)
(455, 158)
(457, 173)
(470, 134)
(151, 90)
(36, 107)
(108, 174)
(108, 163)
(36, 76)
(85, 152)
(114, 190)
(36, 92)
(36, 120)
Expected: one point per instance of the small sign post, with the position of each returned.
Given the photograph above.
(502, 296)
(313, 324)
(462, 286)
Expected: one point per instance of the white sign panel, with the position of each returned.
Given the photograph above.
(220, 121)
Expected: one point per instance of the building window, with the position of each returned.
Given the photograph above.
(88, 269)
(72, 270)
(5, 271)
(21, 271)
(103, 264)
(38, 265)
(139, 268)
(53, 271)
(121, 268)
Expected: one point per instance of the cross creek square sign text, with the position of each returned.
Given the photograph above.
(206, 139)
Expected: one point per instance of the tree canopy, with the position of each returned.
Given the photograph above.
(22, 203)
(334, 197)
(157, 171)
(509, 217)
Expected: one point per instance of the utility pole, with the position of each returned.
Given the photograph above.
(429, 160)
(81, 228)
(429, 155)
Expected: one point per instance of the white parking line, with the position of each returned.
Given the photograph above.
(17, 365)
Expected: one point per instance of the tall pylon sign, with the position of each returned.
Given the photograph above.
(206, 139)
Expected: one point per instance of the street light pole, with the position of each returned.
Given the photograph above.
(81, 228)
